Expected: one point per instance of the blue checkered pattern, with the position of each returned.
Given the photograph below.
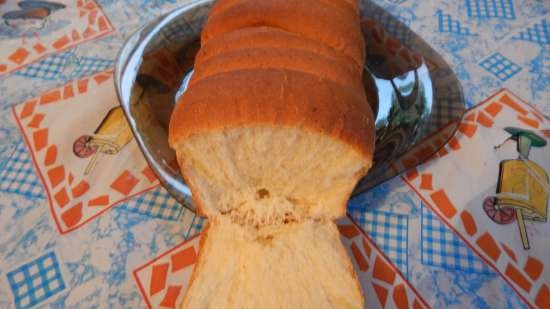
(196, 226)
(448, 109)
(156, 203)
(48, 68)
(34, 282)
(389, 232)
(445, 23)
(539, 33)
(59, 66)
(500, 66)
(18, 175)
(490, 9)
(397, 30)
(177, 29)
(86, 66)
(441, 247)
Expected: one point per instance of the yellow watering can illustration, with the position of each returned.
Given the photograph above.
(109, 138)
(522, 190)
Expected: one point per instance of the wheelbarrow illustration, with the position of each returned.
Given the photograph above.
(109, 138)
(522, 190)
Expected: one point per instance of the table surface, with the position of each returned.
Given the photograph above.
(113, 238)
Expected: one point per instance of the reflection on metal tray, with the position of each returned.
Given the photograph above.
(416, 97)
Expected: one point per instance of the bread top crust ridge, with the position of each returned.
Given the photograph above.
(269, 37)
(281, 58)
(348, 6)
(307, 18)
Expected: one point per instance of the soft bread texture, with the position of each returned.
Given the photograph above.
(308, 18)
(280, 58)
(269, 37)
(299, 265)
(271, 136)
(261, 176)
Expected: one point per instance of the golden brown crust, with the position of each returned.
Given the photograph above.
(349, 6)
(308, 18)
(267, 37)
(281, 58)
(274, 98)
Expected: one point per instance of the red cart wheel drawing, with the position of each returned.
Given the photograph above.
(82, 147)
(498, 215)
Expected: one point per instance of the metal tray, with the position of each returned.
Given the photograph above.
(416, 97)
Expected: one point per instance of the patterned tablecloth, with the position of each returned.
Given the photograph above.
(89, 226)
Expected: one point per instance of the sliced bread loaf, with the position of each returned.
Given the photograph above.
(272, 135)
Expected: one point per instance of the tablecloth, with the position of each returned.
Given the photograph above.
(90, 227)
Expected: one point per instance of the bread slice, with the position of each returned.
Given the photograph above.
(271, 133)
(271, 177)
(281, 58)
(308, 18)
(268, 37)
(295, 265)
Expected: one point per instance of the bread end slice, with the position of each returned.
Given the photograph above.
(266, 144)
(296, 265)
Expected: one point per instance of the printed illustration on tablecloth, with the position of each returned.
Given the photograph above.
(83, 149)
(36, 282)
(112, 134)
(31, 15)
(522, 190)
(383, 285)
(163, 281)
(30, 29)
(502, 144)
(67, 65)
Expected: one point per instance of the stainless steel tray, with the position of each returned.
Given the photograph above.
(417, 98)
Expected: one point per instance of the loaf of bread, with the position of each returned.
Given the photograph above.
(272, 135)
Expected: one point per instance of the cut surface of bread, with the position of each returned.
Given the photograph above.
(260, 175)
(308, 18)
(297, 265)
